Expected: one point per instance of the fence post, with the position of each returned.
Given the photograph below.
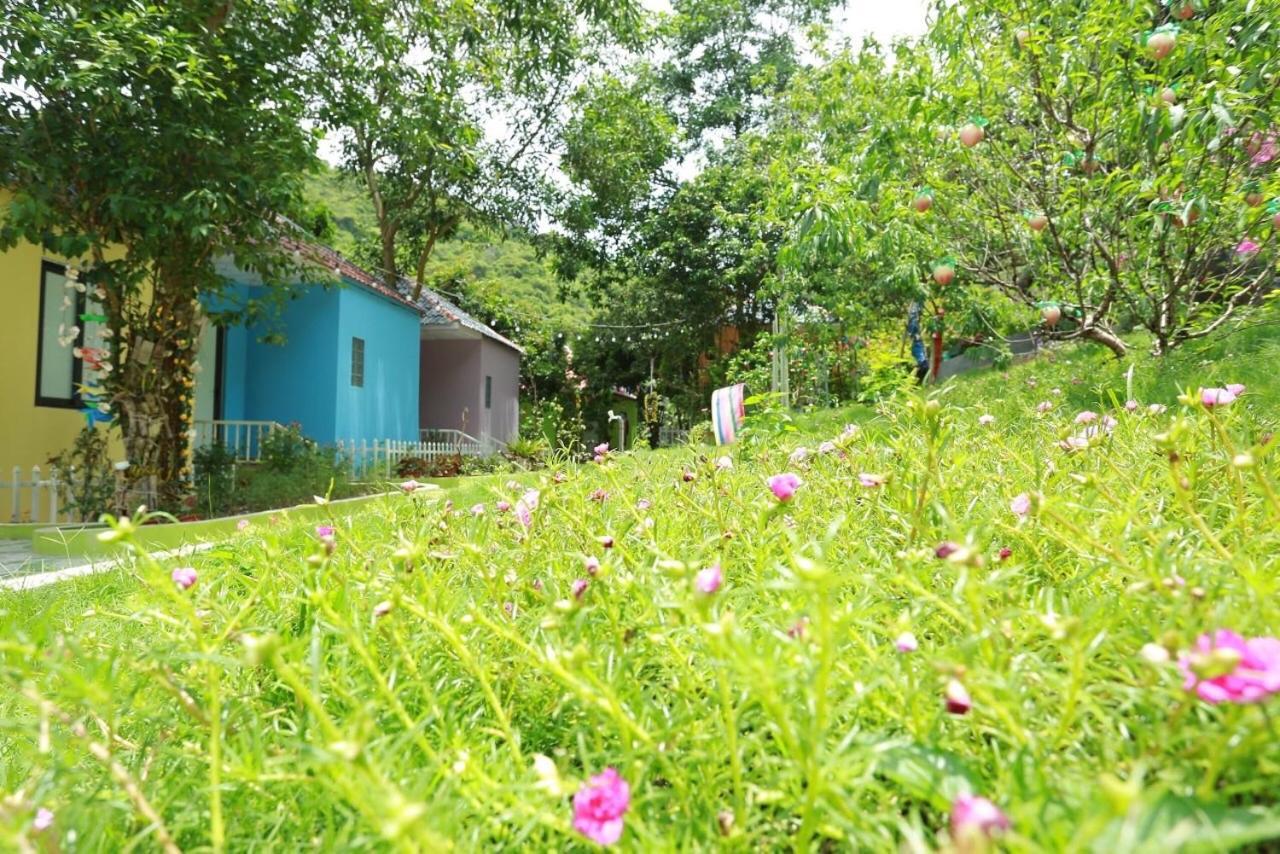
(35, 493)
(54, 483)
(14, 499)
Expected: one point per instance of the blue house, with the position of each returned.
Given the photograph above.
(347, 369)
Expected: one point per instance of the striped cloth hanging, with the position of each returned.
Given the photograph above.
(728, 412)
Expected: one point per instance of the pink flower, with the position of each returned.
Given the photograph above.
(477, 509)
(325, 531)
(1021, 505)
(185, 577)
(1212, 397)
(871, 481)
(579, 587)
(972, 815)
(784, 486)
(1235, 388)
(1005, 553)
(906, 642)
(643, 504)
(946, 549)
(688, 476)
(708, 581)
(1262, 149)
(599, 495)
(1247, 247)
(1224, 667)
(1157, 408)
(242, 524)
(601, 449)
(724, 463)
(1131, 406)
(592, 565)
(526, 505)
(606, 541)
(1086, 417)
(1044, 406)
(827, 448)
(411, 486)
(43, 820)
(799, 629)
(986, 420)
(502, 506)
(599, 806)
(799, 455)
(382, 609)
(958, 702)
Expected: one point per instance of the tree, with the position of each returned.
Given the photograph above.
(144, 141)
(410, 88)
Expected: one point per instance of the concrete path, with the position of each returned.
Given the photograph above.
(21, 569)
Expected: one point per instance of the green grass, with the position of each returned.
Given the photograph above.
(268, 708)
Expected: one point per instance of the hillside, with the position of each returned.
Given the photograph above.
(487, 266)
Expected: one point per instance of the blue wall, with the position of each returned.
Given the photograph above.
(308, 378)
(386, 407)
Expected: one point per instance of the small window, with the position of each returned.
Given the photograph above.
(488, 392)
(357, 362)
(57, 368)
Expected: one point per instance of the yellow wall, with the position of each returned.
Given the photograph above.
(28, 433)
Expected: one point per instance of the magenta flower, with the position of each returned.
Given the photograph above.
(411, 486)
(688, 476)
(502, 506)
(1262, 149)
(784, 486)
(906, 642)
(986, 420)
(592, 565)
(601, 449)
(708, 581)
(1246, 248)
(599, 806)
(606, 541)
(1235, 388)
(972, 815)
(43, 820)
(526, 505)
(1224, 667)
(1212, 397)
(599, 495)
(957, 698)
(579, 587)
(1021, 505)
(1131, 406)
(871, 481)
(185, 577)
(1086, 417)
(946, 549)
(325, 531)
(1005, 553)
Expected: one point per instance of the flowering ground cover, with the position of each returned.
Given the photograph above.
(1046, 629)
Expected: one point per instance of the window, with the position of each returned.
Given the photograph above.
(488, 392)
(57, 368)
(357, 362)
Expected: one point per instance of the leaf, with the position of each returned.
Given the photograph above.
(1174, 823)
(927, 774)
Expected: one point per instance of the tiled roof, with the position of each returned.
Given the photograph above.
(331, 259)
(438, 311)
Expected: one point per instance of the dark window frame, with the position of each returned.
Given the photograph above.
(357, 365)
(488, 392)
(77, 371)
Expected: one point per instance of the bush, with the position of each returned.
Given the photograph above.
(86, 470)
(215, 478)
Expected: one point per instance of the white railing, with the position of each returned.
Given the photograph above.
(43, 494)
(242, 438)
(380, 458)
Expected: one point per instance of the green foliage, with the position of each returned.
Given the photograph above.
(85, 470)
(215, 478)
(398, 687)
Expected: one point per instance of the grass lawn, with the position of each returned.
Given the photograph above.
(433, 676)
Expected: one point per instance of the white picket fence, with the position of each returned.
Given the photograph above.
(242, 438)
(36, 497)
(380, 458)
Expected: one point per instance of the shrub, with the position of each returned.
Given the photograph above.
(86, 470)
(214, 478)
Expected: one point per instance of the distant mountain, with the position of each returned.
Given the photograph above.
(488, 268)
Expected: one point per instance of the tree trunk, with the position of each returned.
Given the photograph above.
(1106, 338)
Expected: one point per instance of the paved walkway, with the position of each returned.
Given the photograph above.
(22, 569)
